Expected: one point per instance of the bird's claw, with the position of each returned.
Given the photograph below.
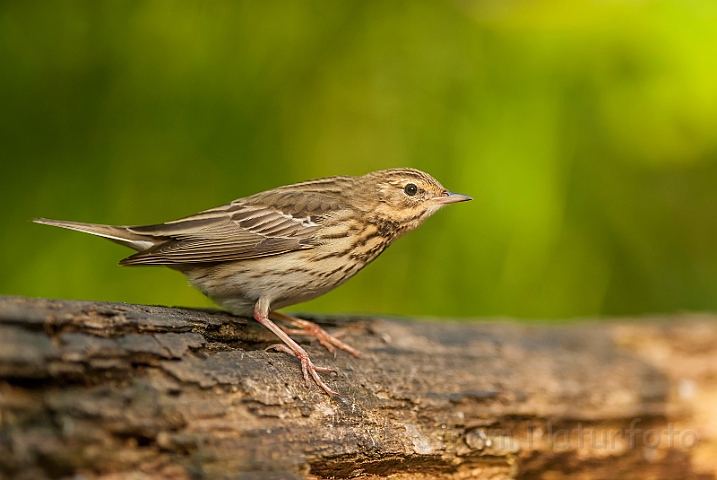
(310, 329)
(308, 369)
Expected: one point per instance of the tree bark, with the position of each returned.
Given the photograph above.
(110, 390)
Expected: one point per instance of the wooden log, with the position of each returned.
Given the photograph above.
(109, 390)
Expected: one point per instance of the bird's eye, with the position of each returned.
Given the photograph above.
(410, 189)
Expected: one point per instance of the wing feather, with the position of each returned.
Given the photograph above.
(232, 232)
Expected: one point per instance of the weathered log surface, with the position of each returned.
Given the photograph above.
(107, 390)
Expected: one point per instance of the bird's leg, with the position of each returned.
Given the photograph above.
(309, 370)
(304, 327)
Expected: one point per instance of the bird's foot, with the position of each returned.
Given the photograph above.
(308, 368)
(310, 329)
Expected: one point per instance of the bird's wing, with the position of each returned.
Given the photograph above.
(237, 231)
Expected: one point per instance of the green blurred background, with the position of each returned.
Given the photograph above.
(585, 131)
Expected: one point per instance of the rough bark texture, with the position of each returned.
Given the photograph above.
(113, 391)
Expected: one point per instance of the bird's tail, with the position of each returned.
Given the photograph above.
(120, 235)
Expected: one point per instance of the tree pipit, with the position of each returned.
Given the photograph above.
(287, 245)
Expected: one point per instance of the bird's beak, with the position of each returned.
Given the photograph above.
(450, 197)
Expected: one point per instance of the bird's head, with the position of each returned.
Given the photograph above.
(408, 196)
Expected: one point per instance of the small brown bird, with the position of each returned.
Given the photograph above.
(287, 245)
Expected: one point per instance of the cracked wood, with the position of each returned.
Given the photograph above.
(108, 390)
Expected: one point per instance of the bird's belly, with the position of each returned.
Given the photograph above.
(284, 279)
